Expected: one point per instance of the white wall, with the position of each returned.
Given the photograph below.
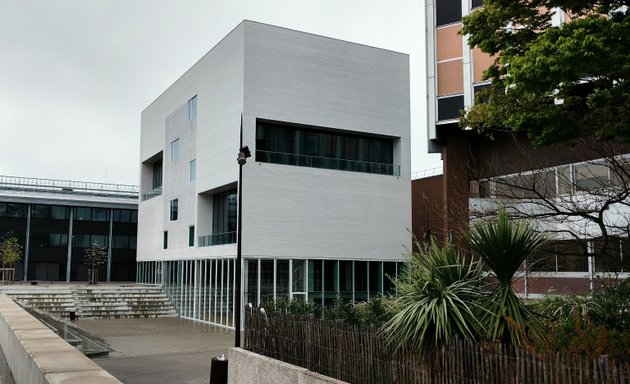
(274, 73)
(304, 212)
(217, 80)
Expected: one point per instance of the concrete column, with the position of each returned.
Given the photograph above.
(109, 245)
(27, 241)
(69, 262)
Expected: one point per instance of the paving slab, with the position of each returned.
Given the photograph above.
(159, 350)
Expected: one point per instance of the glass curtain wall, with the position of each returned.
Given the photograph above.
(203, 289)
(199, 289)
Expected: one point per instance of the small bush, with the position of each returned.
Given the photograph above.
(373, 312)
(599, 325)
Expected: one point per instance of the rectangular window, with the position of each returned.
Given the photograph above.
(224, 215)
(447, 12)
(16, 210)
(191, 236)
(40, 211)
(122, 215)
(590, 177)
(101, 240)
(192, 108)
(59, 212)
(174, 151)
(174, 204)
(99, 214)
(157, 174)
(121, 242)
(266, 280)
(165, 240)
(83, 213)
(450, 107)
(80, 240)
(58, 240)
(49, 212)
(315, 147)
(193, 170)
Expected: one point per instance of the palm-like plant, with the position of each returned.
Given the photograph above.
(439, 298)
(504, 245)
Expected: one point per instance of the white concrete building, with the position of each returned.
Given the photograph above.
(326, 193)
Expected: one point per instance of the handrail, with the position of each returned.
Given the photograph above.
(67, 186)
(217, 239)
(327, 163)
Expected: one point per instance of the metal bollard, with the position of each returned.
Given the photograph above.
(219, 370)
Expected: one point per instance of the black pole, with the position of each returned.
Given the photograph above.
(237, 299)
(237, 288)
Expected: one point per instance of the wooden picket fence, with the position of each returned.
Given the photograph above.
(359, 355)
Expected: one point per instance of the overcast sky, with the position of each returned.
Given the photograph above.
(75, 74)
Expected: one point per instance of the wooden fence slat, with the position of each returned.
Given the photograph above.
(359, 355)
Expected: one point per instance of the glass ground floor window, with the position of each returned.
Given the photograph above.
(203, 289)
(199, 289)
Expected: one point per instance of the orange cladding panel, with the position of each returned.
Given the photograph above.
(450, 77)
(481, 62)
(448, 43)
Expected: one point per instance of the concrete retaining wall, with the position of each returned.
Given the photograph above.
(36, 355)
(246, 367)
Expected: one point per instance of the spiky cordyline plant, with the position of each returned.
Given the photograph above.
(504, 245)
(440, 297)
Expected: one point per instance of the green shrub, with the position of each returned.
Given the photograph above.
(373, 312)
(596, 325)
(439, 298)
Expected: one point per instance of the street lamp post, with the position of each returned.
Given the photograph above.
(243, 154)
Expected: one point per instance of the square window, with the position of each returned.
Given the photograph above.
(174, 151)
(174, 204)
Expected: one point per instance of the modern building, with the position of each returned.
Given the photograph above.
(326, 194)
(480, 173)
(55, 220)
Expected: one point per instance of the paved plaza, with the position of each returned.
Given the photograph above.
(163, 350)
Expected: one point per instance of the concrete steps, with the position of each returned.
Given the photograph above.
(95, 301)
(58, 302)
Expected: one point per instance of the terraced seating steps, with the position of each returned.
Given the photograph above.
(95, 302)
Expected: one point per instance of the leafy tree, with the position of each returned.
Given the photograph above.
(503, 246)
(439, 296)
(95, 256)
(555, 83)
(10, 251)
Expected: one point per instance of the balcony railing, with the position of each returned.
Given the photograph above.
(217, 239)
(327, 163)
(151, 194)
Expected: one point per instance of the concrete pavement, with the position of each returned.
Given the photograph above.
(164, 350)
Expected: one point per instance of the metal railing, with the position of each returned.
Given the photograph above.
(217, 239)
(31, 184)
(426, 173)
(151, 194)
(327, 163)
